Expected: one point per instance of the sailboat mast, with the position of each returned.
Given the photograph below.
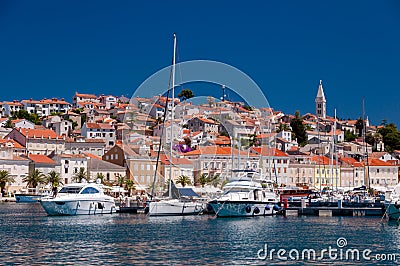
(332, 149)
(172, 117)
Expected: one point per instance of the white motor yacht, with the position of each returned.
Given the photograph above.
(79, 199)
(246, 197)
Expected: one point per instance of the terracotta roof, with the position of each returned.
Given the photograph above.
(99, 126)
(92, 156)
(216, 150)
(39, 133)
(266, 151)
(377, 162)
(175, 161)
(16, 144)
(377, 154)
(322, 160)
(350, 161)
(39, 158)
(13, 103)
(90, 96)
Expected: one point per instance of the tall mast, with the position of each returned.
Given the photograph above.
(336, 155)
(172, 118)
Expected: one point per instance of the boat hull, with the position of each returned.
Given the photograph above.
(174, 208)
(393, 211)
(78, 207)
(27, 198)
(243, 209)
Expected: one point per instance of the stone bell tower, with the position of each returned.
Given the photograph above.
(320, 102)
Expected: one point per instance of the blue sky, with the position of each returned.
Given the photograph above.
(54, 48)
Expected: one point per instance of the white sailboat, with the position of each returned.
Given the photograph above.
(175, 204)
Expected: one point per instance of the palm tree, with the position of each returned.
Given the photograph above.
(53, 178)
(183, 180)
(101, 177)
(5, 178)
(215, 180)
(34, 179)
(203, 180)
(121, 180)
(129, 185)
(80, 175)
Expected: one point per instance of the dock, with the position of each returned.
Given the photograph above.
(7, 199)
(327, 209)
(132, 209)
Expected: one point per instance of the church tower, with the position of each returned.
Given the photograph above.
(320, 102)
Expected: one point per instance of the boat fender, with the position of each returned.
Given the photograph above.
(267, 208)
(276, 208)
(256, 210)
(248, 209)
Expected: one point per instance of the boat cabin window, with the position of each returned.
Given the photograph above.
(70, 190)
(90, 190)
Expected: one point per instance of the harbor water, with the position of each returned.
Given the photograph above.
(29, 237)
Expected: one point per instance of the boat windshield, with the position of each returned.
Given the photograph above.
(70, 190)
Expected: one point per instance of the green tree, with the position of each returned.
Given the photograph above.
(8, 123)
(5, 178)
(21, 114)
(253, 141)
(390, 136)
(248, 108)
(360, 126)
(298, 129)
(185, 94)
(203, 180)
(183, 180)
(80, 175)
(129, 185)
(34, 179)
(121, 180)
(349, 135)
(282, 127)
(53, 178)
(214, 180)
(101, 177)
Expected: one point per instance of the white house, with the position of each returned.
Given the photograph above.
(16, 166)
(99, 131)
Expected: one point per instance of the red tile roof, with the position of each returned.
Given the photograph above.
(89, 96)
(266, 151)
(39, 133)
(16, 144)
(39, 158)
(99, 126)
(322, 160)
(175, 161)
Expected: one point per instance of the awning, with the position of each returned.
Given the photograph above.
(187, 192)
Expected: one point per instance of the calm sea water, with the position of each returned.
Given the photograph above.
(29, 237)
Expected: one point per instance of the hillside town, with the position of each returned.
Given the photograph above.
(127, 142)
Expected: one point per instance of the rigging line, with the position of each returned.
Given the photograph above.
(179, 67)
(162, 133)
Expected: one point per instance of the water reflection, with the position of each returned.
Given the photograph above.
(32, 237)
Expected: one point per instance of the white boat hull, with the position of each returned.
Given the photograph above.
(242, 209)
(174, 208)
(58, 206)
